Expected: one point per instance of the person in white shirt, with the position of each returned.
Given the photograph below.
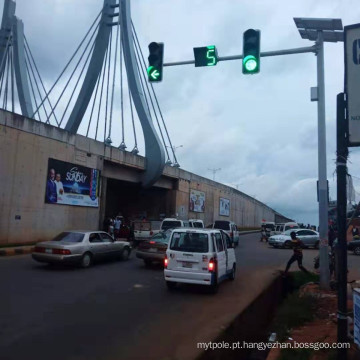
(59, 187)
(117, 225)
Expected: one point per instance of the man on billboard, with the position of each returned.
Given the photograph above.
(51, 195)
(59, 187)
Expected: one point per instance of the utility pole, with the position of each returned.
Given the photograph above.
(214, 171)
(341, 251)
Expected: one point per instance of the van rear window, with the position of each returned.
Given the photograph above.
(222, 225)
(190, 242)
(170, 224)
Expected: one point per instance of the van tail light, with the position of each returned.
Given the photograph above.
(152, 242)
(61, 251)
(166, 262)
(212, 265)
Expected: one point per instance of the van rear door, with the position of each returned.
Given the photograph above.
(189, 251)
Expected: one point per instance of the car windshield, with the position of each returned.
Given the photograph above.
(170, 224)
(197, 224)
(190, 242)
(73, 237)
(222, 225)
(270, 227)
(162, 237)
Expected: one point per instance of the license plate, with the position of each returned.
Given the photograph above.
(153, 250)
(187, 264)
(48, 251)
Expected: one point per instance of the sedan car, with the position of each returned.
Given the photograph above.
(309, 238)
(154, 250)
(354, 246)
(81, 247)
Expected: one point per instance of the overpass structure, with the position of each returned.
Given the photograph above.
(26, 149)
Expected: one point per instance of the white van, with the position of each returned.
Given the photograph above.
(280, 228)
(199, 256)
(196, 223)
(170, 223)
(230, 228)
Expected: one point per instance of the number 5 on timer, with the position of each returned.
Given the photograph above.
(205, 56)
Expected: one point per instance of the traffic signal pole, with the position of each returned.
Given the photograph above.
(302, 50)
(323, 191)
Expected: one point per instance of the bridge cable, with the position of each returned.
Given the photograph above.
(113, 84)
(32, 88)
(148, 91)
(6, 82)
(135, 150)
(94, 101)
(101, 92)
(157, 103)
(72, 74)
(107, 84)
(3, 72)
(38, 73)
(28, 63)
(77, 82)
(122, 145)
(72, 57)
(12, 81)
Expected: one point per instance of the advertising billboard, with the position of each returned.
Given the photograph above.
(197, 201)
(224, 207)
(70, 184)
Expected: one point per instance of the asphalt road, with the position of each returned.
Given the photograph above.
(121, 310)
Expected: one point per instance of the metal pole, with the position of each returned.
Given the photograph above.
(323, 200)
(341, 250)
(302, 50)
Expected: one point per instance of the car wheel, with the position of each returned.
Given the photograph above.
(357, 250)
(147, 262)
(125, 254)
(316, 246)
(171, 285)
(233, 272)
(86, 260)
(287, 244)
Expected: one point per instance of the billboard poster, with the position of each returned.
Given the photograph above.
(70, 184)
(224, 207)
(197, 201)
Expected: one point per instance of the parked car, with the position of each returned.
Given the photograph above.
(354, 246)
(154, 250)
(199, 256)
(310, 238)
(171, 223)
(81, 247)
(230, 228)
(196, 223)
(282, 227)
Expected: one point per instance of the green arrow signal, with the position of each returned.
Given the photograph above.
(153, 73)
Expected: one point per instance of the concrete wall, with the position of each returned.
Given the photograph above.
(26, 145)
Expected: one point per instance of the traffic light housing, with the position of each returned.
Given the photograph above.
(251, 52)
(156, 59)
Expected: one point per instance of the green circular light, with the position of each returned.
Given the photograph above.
(250, 63)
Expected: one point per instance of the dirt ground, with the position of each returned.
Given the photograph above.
(323, 329)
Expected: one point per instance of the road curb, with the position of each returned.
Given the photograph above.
(16, 251)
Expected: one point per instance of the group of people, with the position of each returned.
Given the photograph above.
(117, 227)
(54, 187)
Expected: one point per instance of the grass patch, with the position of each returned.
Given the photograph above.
(294, 312)
(295, 354)
(300, 278)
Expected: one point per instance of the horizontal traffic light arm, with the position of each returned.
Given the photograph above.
(302, 50)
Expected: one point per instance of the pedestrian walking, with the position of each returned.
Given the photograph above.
(263, 234)
(297, 245)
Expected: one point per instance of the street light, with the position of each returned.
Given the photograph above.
(173, 147)
(321, 30)
(214, 172)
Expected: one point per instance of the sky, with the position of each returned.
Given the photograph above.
(261, 130)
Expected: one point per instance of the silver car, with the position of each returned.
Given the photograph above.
(81, 247)
(309, 238)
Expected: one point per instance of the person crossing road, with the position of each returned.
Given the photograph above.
(297, 245)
